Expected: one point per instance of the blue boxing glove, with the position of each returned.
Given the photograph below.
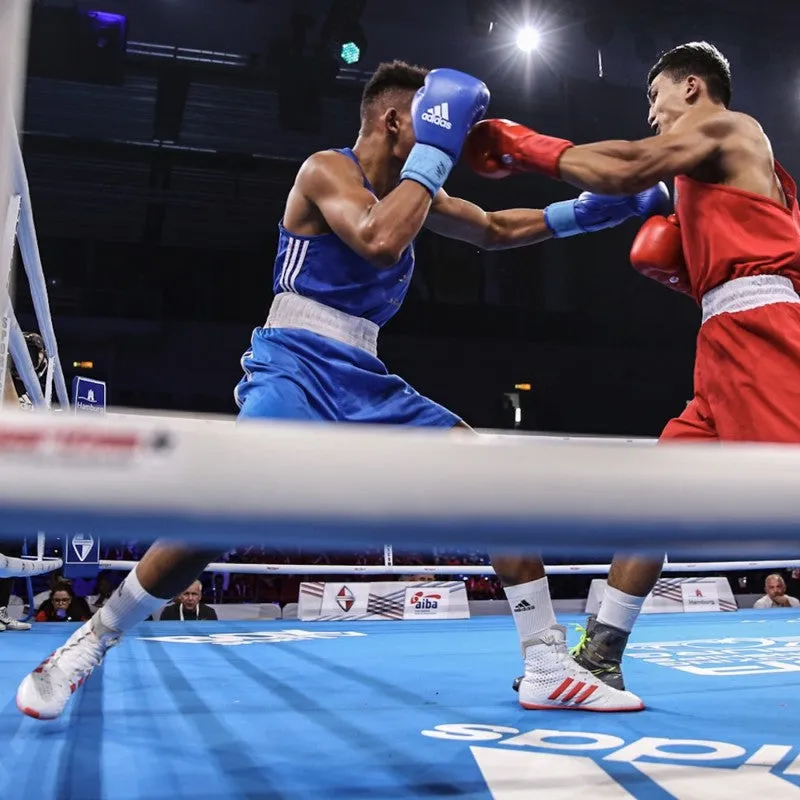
(596, 212)
(442, 113)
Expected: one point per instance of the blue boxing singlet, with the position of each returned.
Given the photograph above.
(325, 269)
(316, 358)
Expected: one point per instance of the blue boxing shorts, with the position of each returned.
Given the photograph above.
(295, 374)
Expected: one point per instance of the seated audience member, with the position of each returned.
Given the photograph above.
(63, 605)
(188, 606)
(776, 597)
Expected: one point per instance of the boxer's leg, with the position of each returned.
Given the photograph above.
(272, 391)
(633, 576)
(167, 568)
(551, 677)
(749, 362)
(526, 589)
(757, 379)
(630, 580)
(552, 680)
(164, 571)
(764, 369)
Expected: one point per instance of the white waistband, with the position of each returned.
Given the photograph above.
(742, 294)
(290, 310)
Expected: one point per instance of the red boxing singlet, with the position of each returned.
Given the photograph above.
(743, 256)
(730, 233)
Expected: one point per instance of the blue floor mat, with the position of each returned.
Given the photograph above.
(233, 710)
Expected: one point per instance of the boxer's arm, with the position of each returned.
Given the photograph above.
(378, 230)
(622, 167)
(490, 230)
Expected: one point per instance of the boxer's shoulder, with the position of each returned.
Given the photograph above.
(328, 168)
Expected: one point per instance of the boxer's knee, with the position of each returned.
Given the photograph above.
(515, 569)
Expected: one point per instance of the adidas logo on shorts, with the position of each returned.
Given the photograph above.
(438, 115)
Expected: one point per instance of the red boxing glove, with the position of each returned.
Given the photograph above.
(496, 148)
(657, 253)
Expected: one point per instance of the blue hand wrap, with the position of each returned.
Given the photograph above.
(427, 165)
(560, 218)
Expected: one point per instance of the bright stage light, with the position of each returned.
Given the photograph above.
(528, 39)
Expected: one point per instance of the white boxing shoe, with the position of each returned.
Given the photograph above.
(8, 623)
(45, 692)
(554, 681)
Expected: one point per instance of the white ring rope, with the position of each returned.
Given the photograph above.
(453, 569)
(27, 567)
(338, 487)
(29, 250)
(9, 234)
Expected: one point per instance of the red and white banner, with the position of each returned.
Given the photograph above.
(672, 595)
(383, 600)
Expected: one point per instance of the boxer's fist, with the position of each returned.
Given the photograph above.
(446, 107)
(442, 112)
(652, 201)
(657, 253)
(595, 212)
(495, 148)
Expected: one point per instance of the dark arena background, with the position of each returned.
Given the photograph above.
(159, 164)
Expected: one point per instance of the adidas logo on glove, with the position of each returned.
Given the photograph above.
(438, 115)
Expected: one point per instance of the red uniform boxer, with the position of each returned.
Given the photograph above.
(742, 253)
(733, 244)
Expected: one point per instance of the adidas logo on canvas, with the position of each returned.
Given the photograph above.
(438, 115)
(524, 605)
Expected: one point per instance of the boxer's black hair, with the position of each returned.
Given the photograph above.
(701, 59)
(392, 76)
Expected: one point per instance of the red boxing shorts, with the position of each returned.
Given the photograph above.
(747, 368)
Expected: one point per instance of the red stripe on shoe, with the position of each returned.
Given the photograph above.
(573, 691)
(587, 694)
(564, 685)
(41, 666)
(30, 712)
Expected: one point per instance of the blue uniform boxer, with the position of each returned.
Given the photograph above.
(316, 357)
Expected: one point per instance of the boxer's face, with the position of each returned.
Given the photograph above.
(406, 140)
(667, 102)
(401, 129)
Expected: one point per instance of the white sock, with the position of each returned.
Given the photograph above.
(531, 608)
(619, 610)
(129, 605)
